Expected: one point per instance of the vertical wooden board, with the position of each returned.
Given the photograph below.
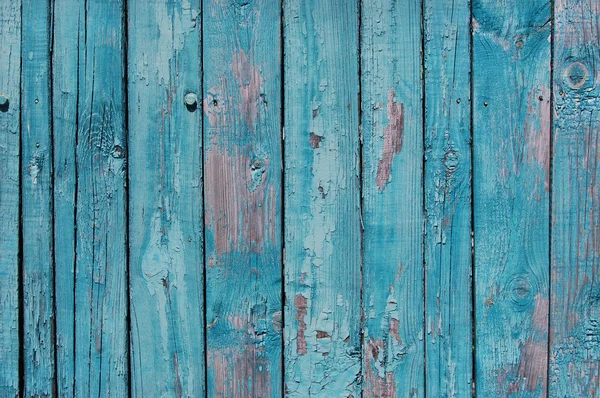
(165, 199)
(448, 262)
(64, 122)
(101, 354)
(392, 129)
(322, 199)
(242, 185)
(575, 302)
(36, 180)
(10, 78)
(511, 133)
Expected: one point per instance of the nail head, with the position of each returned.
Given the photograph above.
(191, 99)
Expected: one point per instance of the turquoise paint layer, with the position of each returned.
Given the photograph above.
(64, 111)
(511, 133)
(10, 78)
(392, 129)
(100, 273)
(165, 199)
(242, 191)
(36, 180)
(449, 339)
(322, 199)
(575, 301)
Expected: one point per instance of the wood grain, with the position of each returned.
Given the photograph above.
(165, 199)
(101, 338)
(242, 191)
(392, 189)
(65, 81)
(511, 133)
(448, 262)
(36, 185)
(575, 302)
(10, 116)
(322, 199)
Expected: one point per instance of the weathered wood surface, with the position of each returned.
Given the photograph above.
(322, 199)
(101, 327)
(427, 225)
(36, 201)
(511, 154)
(165, 199)
(392, 190)
(65, 103)
(448, 261)
(575, 301)
(242, 190)
(10, 117)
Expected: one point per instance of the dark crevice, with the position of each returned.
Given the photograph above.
(361, 199)
(472, 146)
(21, 301)
(125, 104)
(75, 204)
(423, 194)
(50, 95)
(282, 200)
(204, 307)
(550, 196)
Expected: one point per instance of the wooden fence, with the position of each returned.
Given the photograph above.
(338, 198)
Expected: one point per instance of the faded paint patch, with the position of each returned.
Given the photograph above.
(214, 105)
(534, 353)
(300, 304)
(240, 208)
(376, 386)
(537, 132)
(250, 81)
(35, 166)
(530, 373)
(315, 140)
(393, 138)
(241, 371)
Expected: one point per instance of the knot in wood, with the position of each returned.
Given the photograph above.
(521, 291)
(577, 75)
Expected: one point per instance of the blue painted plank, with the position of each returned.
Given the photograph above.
(165, 199)
(322, 199)
(242, 191)
(575, 302)
(511, 133)
(10, 112)
(392, 129)
(101, 343)
(36, 180)
(448, 262)
(64, 113)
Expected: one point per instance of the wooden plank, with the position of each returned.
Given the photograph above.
(448, 262)
(101, 354)
(10, 83)
(65, 109)
(36, 180)
(165, 206)
(575, 302)
(322, 199)
(511, 133)
(392, 129)
(242, 163)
